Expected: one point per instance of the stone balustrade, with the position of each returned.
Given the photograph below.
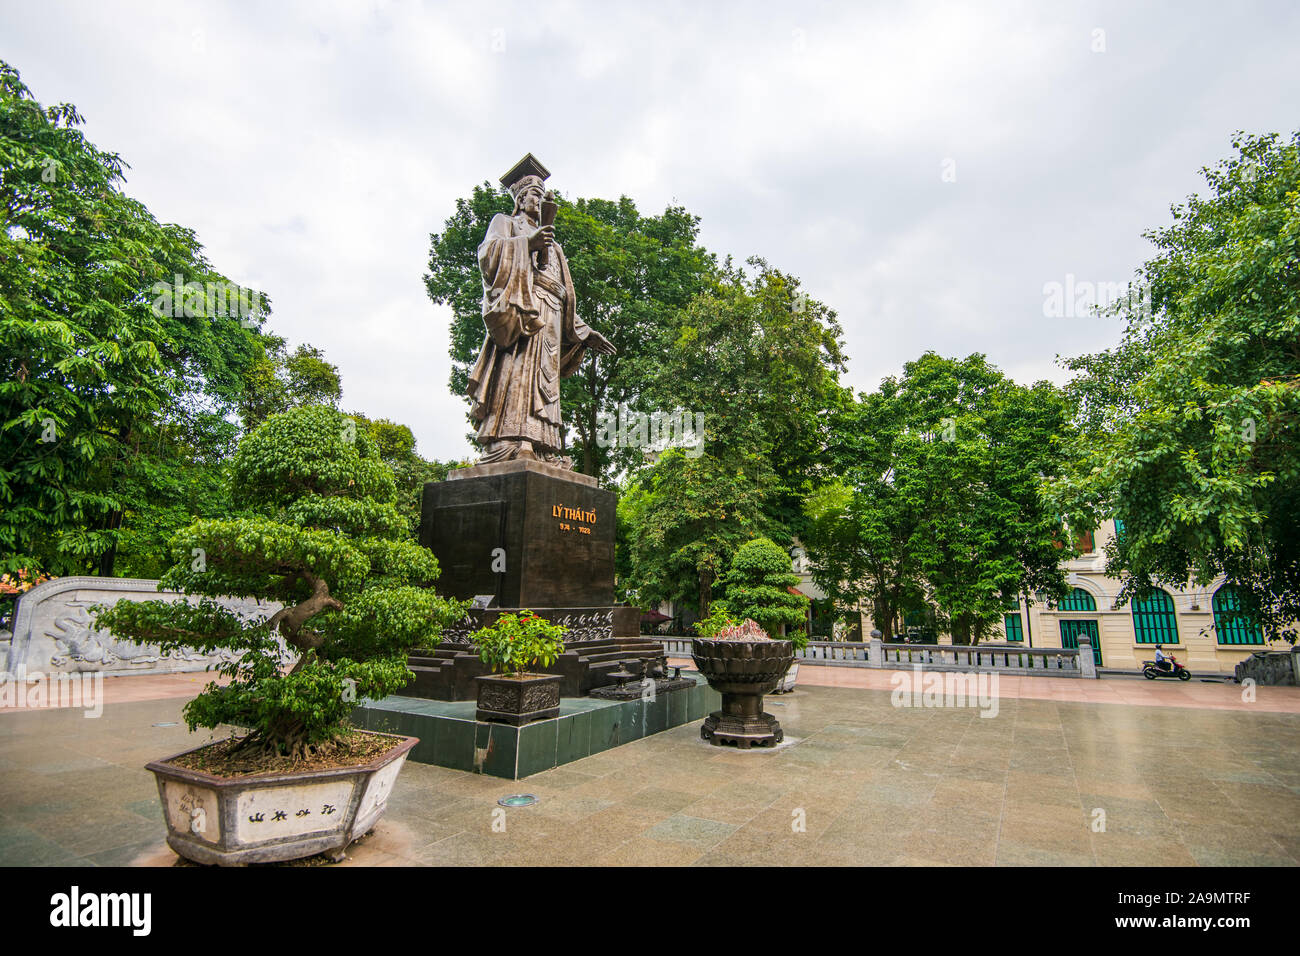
(1001, 658)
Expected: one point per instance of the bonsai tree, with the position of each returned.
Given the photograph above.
(758, 588)
(516, 642)
(327, 543)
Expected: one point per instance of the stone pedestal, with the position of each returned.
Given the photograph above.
(528, 535)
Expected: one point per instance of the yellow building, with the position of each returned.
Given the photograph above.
(1197, 624)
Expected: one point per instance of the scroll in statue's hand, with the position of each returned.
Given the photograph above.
(541, 238)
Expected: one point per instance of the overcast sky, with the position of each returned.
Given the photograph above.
(924, 169)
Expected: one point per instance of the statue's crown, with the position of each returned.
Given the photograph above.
(526, 167)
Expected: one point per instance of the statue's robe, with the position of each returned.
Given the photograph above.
(534, 338)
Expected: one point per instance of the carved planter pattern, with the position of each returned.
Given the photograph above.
(231, 821)
(518, 700)
(742, 672)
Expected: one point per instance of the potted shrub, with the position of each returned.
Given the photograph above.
(327, 544)
(513, 643)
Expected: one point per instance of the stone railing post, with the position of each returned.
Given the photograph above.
(876, 653)
(1087, 665)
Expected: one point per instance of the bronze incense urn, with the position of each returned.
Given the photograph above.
(742, 664)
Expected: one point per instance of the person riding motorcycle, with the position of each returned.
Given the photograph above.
(1163, 661)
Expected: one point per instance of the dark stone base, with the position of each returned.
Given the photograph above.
(515, 720)
(527, 533)
(601, 640)
(763, 730)
(450, 737)
(635, 689)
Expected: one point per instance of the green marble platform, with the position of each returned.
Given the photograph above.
(451, 737)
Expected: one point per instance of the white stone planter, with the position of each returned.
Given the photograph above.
(787, 682)
(232, 821)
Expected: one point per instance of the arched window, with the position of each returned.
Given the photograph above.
(1077, 600)
(1153, 618)
(1232, 625)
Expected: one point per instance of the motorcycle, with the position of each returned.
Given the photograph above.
(1150, 670)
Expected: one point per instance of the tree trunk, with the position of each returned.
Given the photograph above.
(883, 618)
(589, 439)
(961, 630)
(104, 563)
(588, 454)
(290, 620)
(706, 591)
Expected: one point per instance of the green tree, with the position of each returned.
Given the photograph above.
(395, 444)
(328, 543)
(937, 497)
(684, 518)
(181, 475)
(757, 363)
(630, 272)
(758, 587)
(106, 382)
(281, 380)
(760, 360)
(1188, 428)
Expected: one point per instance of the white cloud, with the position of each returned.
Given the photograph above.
(314, 146)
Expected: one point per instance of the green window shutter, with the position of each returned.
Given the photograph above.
(1077, 600)
(1231, 624)
(1015, 631)
(1154, 621)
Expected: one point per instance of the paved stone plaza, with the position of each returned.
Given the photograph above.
(1213, 783)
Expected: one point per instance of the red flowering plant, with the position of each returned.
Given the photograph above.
(21, 582)
(516, 642)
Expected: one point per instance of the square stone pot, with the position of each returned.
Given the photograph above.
(518, 700)
(232, 821)
(787, 682)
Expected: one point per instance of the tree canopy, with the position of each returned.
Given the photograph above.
(759, 584)
(1188, 428)
(936, 499)
(757, 363)
(106, 383)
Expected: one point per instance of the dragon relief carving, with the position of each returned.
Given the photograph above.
(77, 642)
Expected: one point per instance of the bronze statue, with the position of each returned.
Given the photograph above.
(534, 336)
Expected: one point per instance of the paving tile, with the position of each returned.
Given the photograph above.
(1013, 853)
(694, 831)
(867, 784)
